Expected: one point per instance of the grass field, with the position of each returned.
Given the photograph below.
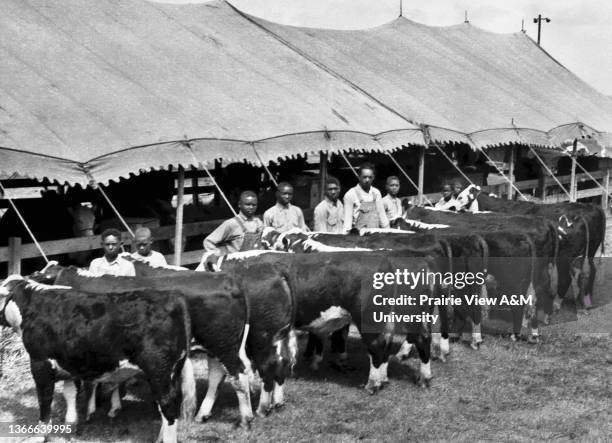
(560, 389)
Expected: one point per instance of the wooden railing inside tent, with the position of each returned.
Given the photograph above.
(15, 252)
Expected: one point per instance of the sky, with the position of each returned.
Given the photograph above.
(579, 34)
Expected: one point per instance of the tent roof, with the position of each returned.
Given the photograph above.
(459, 78)
(98, 89)
(109, 87)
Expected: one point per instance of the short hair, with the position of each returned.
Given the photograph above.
(246, 194)
(332, 181)
(367, 165)
(392, 177)
(143, 230)
(110, 231)
(282, 185)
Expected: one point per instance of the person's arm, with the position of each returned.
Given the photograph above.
(348, 211)
(320, 220)
(216, 237)
(268, 219)
(382, 214)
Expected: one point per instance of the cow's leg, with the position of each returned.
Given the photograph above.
(70, 395)
(216, 374)
(240, 383)
(44, 379)
(278, 395)
(422, 341)
(91, 404)
(587, 301)
(338, 348)
(314, 350)
(517, 318)
(115, 403)
(476, 335)
(267, 387)
(444, 333)
(374, 382)
(382, 374)
(563, 266)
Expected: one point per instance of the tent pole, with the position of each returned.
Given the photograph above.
(511, 172)
(322, 173)
(178, 228)
(573, 173)
(194, 185)
(543, 163)
(421, 175)
(606, 187)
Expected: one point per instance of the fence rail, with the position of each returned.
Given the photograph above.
(15, 252)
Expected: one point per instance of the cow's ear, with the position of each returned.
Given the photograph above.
(286, 243)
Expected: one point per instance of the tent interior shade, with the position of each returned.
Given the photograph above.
(99, 89)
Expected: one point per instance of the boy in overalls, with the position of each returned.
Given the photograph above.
(363, 206)
(240, 233)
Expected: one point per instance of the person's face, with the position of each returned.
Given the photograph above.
(284, 195)
(248, 206)
(143, 244)
(366, 177)
(393, 187)
(332, 191)
(457, 188)
(446, 191)
(111, 246)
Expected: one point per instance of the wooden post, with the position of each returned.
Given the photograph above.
(14, 259)
(573, 186)
(322, 175)
(606, 185)
(511, 172)
(178, 228)
(194, 185)
(421, 174)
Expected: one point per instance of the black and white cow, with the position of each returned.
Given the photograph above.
(335, 288)
(581, 227)
(72, 334)
(271, 344)
(218, 309)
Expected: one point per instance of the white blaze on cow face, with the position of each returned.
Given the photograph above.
(330, 320)
(265, 401)
(467, 198)
(167, 433)
(425, 371)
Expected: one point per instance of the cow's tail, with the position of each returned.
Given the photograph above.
(484, 247)
(553, 271)
(188, 383)
(292, 338)
(602, 213)
(242, 354)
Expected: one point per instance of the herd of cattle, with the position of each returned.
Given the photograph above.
(79, 328)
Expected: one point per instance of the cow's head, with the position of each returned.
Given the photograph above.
(10, 315)
(467, 199)
(566, 225)
(48, 274)
(288, 241)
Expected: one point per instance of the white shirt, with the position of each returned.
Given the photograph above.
(393, 207)
(154, 259)
(352, 200)
(119, 267)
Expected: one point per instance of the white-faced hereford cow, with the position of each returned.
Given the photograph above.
(218, 309)
(271, 344)
(71, 334)
(581, 228)
(333, 288)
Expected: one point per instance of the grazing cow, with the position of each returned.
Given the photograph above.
(70, 334)
(582, 230)
(217, 305)
(271, 344)
(333, 288)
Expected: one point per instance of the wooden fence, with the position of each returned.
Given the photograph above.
(15, 252)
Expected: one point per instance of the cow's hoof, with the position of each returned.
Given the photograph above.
(533, 340)
(279, 406)
(384, 383)
(556, 306)
(586, 301)
(202, 418)
(113, 413)
(546, 319)
(263, 412)
(514, 337)
(425, 382)
(372, 388)
(88, 418)
(245, 423)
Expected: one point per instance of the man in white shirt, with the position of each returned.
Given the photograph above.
(391, 203)
(329, 214)
(144, 240)
(363, 207)
(447, 201)
(284, 216)
(112, 263)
